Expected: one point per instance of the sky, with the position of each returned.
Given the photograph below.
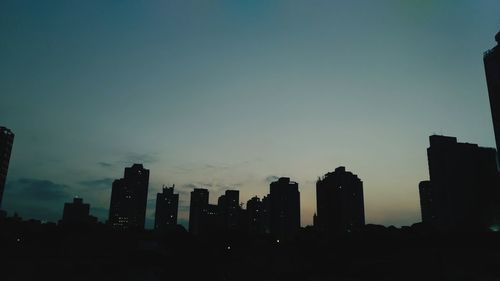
(233, 94)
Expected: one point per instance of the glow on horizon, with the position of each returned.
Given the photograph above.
(231, 94)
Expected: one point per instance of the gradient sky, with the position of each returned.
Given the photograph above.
(232, 94)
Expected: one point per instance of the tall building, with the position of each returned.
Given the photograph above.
(340, 203)
(255, 216)
(197, 209)
(6, 142)
(491, 60)
(167, 205)
(463, 190)
(284, 207)
(129, 198)
(209, 221)
(426, 205)
(77, 213)
(228, 211)
(266, 216)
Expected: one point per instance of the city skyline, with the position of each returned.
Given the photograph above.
(255, 103)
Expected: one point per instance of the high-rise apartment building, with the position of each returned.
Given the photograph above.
(340, 203)
(6, 142)
(284, 208)
(167, 205)
(464, 186)
(129, 198)
(491, 60)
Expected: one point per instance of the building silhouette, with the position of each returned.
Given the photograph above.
(340, 204)
(210, 219)
(6, 142)
(167, 205)
(255, 216)
(77, 213)
(266, 217)
(129, 198)
(426, 205)
(491, 60)
(463, 190)
(228, 211)
(198, 209)
(284, 208)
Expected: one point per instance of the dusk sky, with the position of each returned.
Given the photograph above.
(232, 94)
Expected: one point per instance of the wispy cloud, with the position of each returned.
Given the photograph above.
(98, 183)
(105, 164)
(216, 167)
(189, 186)
(36, 198)
(144, 158)
(271, 178)
(38, 189)
(210, 166)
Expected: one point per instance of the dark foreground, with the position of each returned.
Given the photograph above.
(33, 251)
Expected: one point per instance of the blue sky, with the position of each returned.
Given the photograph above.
(230, 94)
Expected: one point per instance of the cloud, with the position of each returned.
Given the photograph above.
(182, 169)
(189, 186)
(181, 191)
(36, 198)
(215, 167)
(205, 167)
(105, 164)
(271, 178)
(144, 158)
(100, 183)
(38, 189)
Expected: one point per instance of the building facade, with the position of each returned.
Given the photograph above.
(228, 211)
(284, 208)
(77, 213)
(198, 209)
(340, 202)
(255, 216)
(129, 199)
(426, 205)
(491, 60)
(167, 205)
(6, 142)
(463, 190)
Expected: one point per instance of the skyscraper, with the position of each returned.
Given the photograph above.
(228, 210)
(340, 203)
(129, 198)
(426, 205)
(209, 219)
(491, 60)
(463, 190)
(76, 213)
(6, 142)
(167, 204)
(284, 206)
(197, 209)
(255, 215)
